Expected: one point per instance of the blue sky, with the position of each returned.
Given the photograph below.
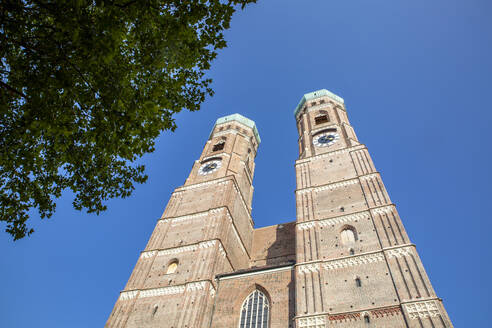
(416, 77)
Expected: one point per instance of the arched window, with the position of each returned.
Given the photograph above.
(321, 119)
(254, 311)
(348, 236)
(171, 268)
(218, 146)
(367, 319)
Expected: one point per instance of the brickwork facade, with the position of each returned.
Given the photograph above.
(346, 261)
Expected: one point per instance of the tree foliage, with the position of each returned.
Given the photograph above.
(87, 86)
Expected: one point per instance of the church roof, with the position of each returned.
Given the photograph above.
(241, 119)
(314, 95)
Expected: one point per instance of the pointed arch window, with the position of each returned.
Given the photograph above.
(348, 236)
(255, 311)
(171, 268)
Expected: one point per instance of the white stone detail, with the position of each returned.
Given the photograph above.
(331, 153)
(306, 225)
(207, 244)
(423, 309)
(313, 322)
(399, 252)
(331, 186)
(177, 250)
(344, 219)
(128, 295)
(307, 268)
(212, 290)
(383, 210)
(369, 176)
(353, 261)
(193, 286)
(162, 291)
(176, 220)
(182, 249)
(146, 255)
(221, 250)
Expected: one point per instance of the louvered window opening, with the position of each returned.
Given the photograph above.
(254, 311)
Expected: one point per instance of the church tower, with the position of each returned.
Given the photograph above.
(356, 266)
(345, 262)
(206, 229)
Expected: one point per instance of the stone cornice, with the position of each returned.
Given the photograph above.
(178, 219)
(345, 218)
(169, 290)
(331, 153)
(182, 249)
(221, 181)
(354, 315)
(355, 260)
(339, 184)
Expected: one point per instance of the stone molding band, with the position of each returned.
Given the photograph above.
(336, 185)
(355, 260)
(331, 153)
(346, 218)
(220, 181)
(178, 219)
(170, 290)
(182, 249)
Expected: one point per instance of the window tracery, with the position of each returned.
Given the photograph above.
(255, 311)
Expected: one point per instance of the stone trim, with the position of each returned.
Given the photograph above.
(240, 275)
(331, 153)
(359, 315)
(212, 156)
(345, 218)
(354, 260)
(422, 309)
(203, 214)
(182, 249)
(318, 321)
(330, 126)
(336, 185)
(220, 181)
(170, 290)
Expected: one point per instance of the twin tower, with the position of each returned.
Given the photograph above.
(346, 261)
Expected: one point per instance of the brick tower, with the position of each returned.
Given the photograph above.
(356, 266)
(346, 261)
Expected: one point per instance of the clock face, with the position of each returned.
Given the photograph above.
(326, 139)
(209, 167)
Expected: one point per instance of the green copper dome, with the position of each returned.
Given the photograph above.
(314, 95)
(241, 119)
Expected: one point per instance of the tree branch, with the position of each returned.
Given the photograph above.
(13, 90)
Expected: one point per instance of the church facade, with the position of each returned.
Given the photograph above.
(346, 261)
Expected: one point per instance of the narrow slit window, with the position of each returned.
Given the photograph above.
(358, 283)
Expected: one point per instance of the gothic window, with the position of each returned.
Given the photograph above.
(254, 311)
(218, 146)
(171, 268)
(348, 236)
